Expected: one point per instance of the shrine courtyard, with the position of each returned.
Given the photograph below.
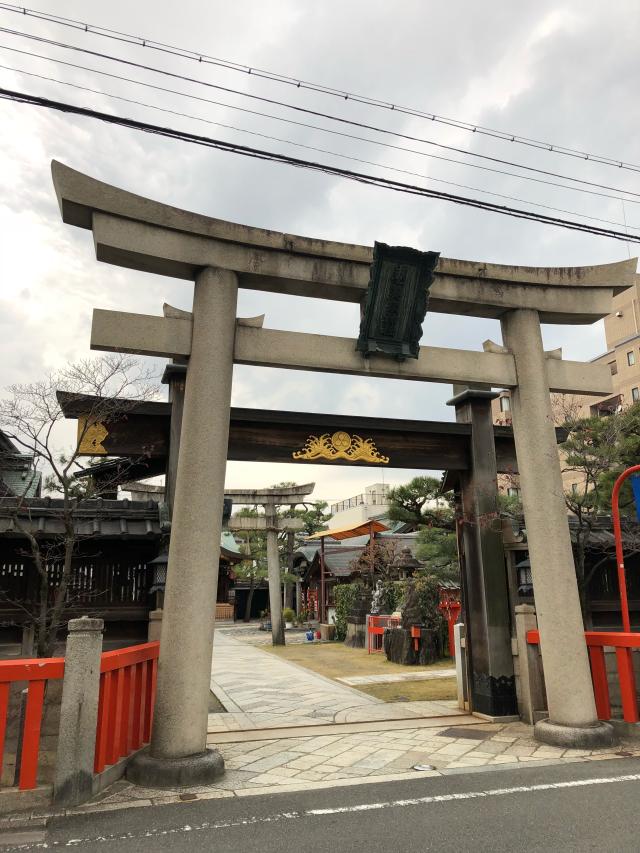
(372, 673)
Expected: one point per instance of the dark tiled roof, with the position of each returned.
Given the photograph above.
(339, 555)
(20, 480)
(17, 474)
(96, 517)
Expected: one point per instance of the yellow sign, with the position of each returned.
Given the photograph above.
(341, 445)
(91, 436)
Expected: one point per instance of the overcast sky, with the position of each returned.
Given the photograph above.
(562, 72)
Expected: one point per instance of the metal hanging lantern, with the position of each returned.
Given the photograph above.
(159, 568)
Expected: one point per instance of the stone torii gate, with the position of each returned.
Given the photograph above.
(269, 499)
(137, 233)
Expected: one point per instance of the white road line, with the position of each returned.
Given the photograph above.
(284, 816)
(472, 795)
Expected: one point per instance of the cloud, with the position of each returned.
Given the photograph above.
(559, 71)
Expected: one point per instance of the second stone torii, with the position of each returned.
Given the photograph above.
(270, 499)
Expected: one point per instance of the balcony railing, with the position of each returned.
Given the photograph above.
(369, 499)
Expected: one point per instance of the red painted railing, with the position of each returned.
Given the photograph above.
(36, 673)
(622, 642)
(375, 630)
(125, 710)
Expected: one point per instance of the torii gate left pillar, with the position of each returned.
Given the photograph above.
(178, 754)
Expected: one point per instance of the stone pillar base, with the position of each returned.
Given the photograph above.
(192, 770)
(594, 736)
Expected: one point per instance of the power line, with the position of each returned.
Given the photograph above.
(271, 156)
(317, 113)
(307, 125)
(315, 148)
(299, 83)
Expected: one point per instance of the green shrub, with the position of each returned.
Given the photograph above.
(392, 595)
(426, 585)
(345, 596)
(288, 614)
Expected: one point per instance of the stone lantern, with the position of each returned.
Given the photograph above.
(405, 564)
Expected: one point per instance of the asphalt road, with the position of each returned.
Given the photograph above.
(573, 807)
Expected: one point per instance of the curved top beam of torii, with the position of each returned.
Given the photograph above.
(139, 233)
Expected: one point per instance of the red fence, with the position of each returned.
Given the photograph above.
(622, 642)
(375, 630)
(36, 673)
(125, 710)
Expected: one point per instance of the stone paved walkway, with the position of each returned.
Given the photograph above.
(252, 634)
(337, 758)
(260, 690)
(393, 678)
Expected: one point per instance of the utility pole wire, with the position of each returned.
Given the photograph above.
(261, 154)
(321, 150)
(316, 113)
(299, 83)
(333, 132)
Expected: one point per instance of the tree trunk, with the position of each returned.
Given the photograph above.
(247, 609)
(580, 557)
(288, 587)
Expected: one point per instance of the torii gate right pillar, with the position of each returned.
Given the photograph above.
(572, 712)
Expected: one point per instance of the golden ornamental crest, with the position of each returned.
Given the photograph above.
(341, 445)
(91, 436)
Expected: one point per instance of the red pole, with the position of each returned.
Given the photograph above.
(617, 532)
(321, 608)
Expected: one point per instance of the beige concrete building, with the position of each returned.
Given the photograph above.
(622, 356)
(622, 334)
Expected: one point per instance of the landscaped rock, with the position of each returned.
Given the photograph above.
(399, 645)
(356, 635)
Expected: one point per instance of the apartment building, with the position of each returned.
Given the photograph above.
(622, 355)
(622, 335)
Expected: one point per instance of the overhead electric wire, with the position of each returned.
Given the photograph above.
(360, 177)
(341, 133)
(299, 83)
(317, 113)
(315, 148)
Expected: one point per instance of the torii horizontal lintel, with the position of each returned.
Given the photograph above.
(139, 233)
(240, 523)
(169, 337)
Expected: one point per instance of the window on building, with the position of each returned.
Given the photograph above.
(505, 404)
(574, 488)
(513, 492)
(635, 394)
(613, 367)
(631, 358)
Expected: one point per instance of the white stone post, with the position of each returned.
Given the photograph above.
(78, 712)
(461, 666)
(572, 713)
(273, 569)
(178, 754)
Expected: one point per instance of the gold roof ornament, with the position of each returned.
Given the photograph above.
(341, 445)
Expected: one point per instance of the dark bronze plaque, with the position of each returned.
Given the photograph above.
(396, 301)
